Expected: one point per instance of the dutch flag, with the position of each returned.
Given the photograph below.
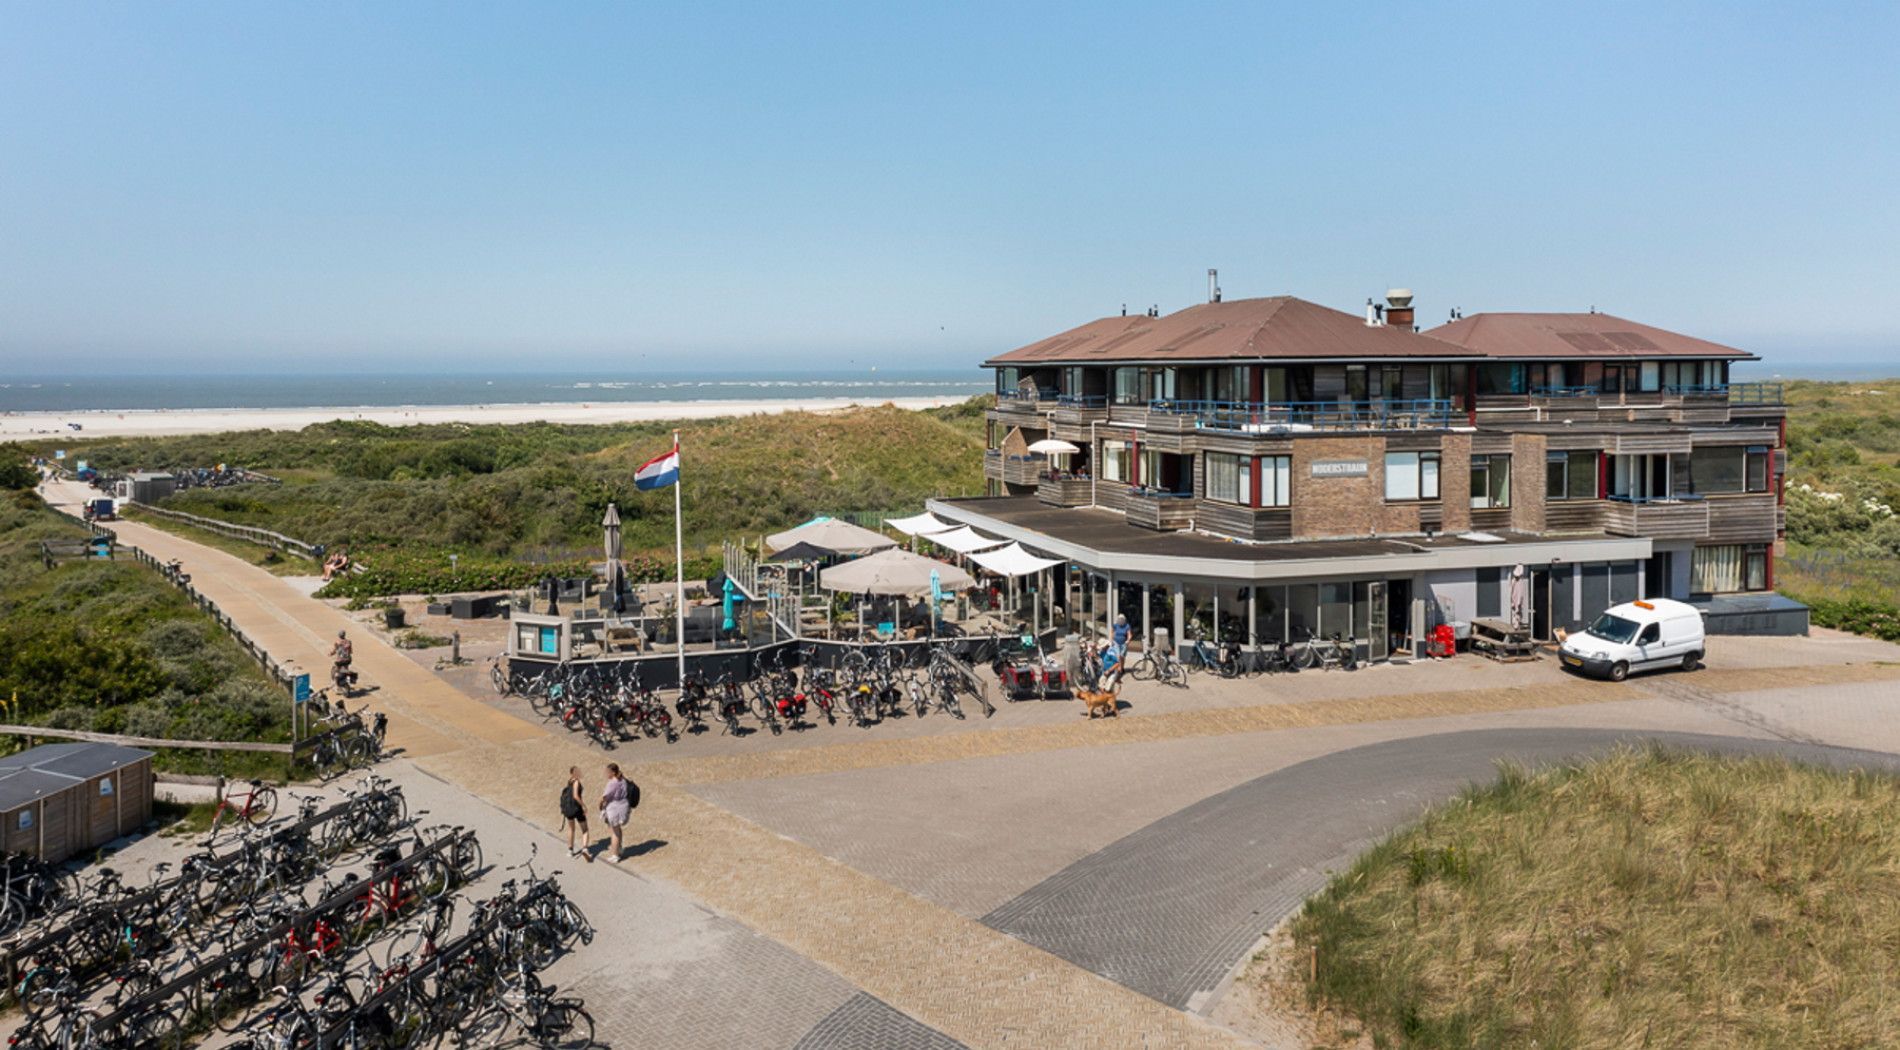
(660, 471)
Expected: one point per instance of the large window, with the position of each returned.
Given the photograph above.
(1756, 467)
(1500, 379)
(1718, 468)
(1127, 386)
(1491, 481)
(1276, 481)
(1006, 380)
(1115, 460)
(1230, 478)
(1570, 475)
(1411, 475)
(1227, 383)
(1729, 567)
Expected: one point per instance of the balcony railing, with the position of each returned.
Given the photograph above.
(1270, 416)
(1689, 390)
(1024, 398)
(1755, 394)
(1082, 400)
(1564, 391)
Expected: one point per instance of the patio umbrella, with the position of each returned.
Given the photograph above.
(1053, 446)
(894, 572)
(801, 552)
(830, 534)
(611, 523)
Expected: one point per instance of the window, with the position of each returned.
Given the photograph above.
(1729, 567)
(1392, 383)
(1356, 384)
(1230, 478)
(1717, 469)
(1652, 633)
(1276, 481)
(1227, 384)
(1756, 468)
(1651, 376)
(1275, 385)
(1127, 386)
(1570, 475)
(1115, 460)
(1441, 383)
(1006, 380)
(1491, 481)
(1500, 379)
(1411, 475)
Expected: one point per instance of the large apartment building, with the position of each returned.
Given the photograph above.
(1272, 469)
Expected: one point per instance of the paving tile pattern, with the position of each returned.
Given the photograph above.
(866, 1022)
(1167, 911)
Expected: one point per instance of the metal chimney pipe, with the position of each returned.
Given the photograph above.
(1213, 286)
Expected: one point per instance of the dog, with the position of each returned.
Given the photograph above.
(1098, 704)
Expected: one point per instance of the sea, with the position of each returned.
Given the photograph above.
(120, 392)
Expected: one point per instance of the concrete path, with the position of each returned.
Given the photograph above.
(906, 888)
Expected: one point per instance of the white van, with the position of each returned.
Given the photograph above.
(1637, 636)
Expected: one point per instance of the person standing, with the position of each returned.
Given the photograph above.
(617, 800)
(574, 815)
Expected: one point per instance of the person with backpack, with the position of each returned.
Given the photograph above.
(617, 800)
(574, 814)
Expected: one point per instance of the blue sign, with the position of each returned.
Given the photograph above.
(59, 453)
(300, 688)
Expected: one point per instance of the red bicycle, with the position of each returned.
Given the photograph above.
(258, 806)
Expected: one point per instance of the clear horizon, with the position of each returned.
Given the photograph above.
(356, 188)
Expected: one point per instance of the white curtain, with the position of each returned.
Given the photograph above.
(1716, 570)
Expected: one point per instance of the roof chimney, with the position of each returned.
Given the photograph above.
(1213, 286)
(1398, 310)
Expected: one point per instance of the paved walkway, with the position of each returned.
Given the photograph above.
(737, 924)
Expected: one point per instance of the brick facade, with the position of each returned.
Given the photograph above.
(1527, 482)
(1454, 482)
(1337, 507)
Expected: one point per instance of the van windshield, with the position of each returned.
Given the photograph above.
(1614, 629)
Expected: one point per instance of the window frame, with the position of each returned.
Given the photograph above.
(1421, 491)
(1242, 473)
(1489, 465)
(1276, 481)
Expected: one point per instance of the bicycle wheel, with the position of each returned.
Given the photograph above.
(1144, 669)
(1302, 658)
(465, 856)
(498, 675)
(565, 1025)
(1177, 674)
(155, 1028)
(262, 805)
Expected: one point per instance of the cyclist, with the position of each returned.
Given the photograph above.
(340, 655)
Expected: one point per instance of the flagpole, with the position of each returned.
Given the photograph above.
(679, 567)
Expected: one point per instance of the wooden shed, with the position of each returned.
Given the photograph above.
(60, 799)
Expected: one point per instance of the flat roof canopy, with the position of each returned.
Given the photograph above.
(1103, 540)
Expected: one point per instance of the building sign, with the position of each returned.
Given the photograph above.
(300, 689)
(1339, 468)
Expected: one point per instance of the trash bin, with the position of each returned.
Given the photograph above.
(1161, 640)
(392, 617)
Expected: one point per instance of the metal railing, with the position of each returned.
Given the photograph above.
(1413, 414)
(1755, 394)
(1564, 391)
(1082, 400)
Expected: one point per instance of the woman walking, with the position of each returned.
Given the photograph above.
(574, 814)
(616, 804)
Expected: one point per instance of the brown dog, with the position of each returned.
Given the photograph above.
(1098, 704)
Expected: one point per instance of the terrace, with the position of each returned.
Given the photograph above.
(1265, 417)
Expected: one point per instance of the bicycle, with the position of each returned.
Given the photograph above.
(1158, 665)
(259, 805)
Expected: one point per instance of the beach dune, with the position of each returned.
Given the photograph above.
(16, 426)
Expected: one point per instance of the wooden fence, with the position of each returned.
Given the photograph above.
(33, 732)
(248, 533)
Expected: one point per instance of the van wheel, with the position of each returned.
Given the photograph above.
(1691, 661)
(1619, 671)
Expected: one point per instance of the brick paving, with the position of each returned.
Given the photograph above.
(866, 1022)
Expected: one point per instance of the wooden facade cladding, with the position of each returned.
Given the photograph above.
(1675, 442)
(1675, 520)
(1483, 518)
(1163, 513)
(1066, 492)
(1574, 516)
(1112, 495)
(1258, 524)
(1754, 517)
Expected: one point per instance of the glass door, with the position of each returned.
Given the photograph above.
(1379, 638)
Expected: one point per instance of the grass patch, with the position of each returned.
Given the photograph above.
(415, 638)
(1649, 898)
(183, 819)
(112, 647)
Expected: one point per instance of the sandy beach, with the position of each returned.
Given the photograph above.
(15, 426)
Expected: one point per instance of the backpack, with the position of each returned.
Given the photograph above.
(633, 795)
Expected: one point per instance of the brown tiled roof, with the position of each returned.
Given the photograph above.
(1573, 336)
(1241, 329)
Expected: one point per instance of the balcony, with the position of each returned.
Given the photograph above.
(1024, 470)
(1080, 409)
(1064, 490)
(1024, 408)
(1160, 509)
(1283, 417)
(1665, 519)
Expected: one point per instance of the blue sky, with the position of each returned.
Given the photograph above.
(416, 186)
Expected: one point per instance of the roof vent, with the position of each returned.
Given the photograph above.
(1213, 286)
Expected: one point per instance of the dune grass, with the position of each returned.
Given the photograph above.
(1646, 899)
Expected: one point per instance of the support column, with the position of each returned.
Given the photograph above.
(1180, 601)
(1147, 605)
(1253, 637)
